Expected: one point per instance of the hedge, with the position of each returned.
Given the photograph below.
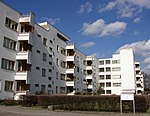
(109, 103)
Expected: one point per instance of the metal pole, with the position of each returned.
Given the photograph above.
(121, 106)
(134, 106)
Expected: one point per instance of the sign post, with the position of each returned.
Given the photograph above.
(126, 96)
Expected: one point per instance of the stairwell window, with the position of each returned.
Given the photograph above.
(43, 72)
(57, 62)
(44, 56)
(9, 43)
(44, 41)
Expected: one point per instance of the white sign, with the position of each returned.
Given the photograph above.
(127, 96)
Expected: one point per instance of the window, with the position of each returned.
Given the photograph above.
(63, 51)
(8, 43)
(51, 41)
(62, 76)
(57, 75)
(50, 78)
(108, 84)
(43, 72)
(39, 35)
(116, 69)
(107, 61)
(50, 48)
(101, 77)
(50, 70)
(50, 56)
(108, 91)
(57, 48)
(57, 62)
(11, 24)
(62, 90)
(36, 85)
(38, 51)
(115, 61)
(116, 84)
(63, 64)
(101, 62)
(56, 89)
(7, 64)
(102, 84)
(116, 76)
(101, 69)
(108, 76)
(44, 56)
(44, 41)
(8, 85)
(50, 63)
(108, 69)
(77, 69)
(38, 68)
(0, 85)
(49, 85)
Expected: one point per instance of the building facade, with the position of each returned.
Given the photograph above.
(120, 73)
(37, 58)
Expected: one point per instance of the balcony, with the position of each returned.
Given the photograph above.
(27, 19)
(71, 70)
(70, 58)
(89, 58)
(24, 56)
(89, 77)
(71, 93)
(70, 46)
(89, 68)
(22, 76)
(26, 36)
(70, 83)
(90, 86)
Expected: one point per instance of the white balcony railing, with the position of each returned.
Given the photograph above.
(89, 68)
(21, 75)
(70, 58)
(26, 36)
(70, 83)
(89, 77)
(90, 86)
(24, 56)
(70, 70)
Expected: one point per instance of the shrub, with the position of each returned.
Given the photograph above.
(109, 103)
(8, 102)
(29, 100)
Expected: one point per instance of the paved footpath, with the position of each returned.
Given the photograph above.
(31, 111)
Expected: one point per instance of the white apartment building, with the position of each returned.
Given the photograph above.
(36, 58)
(120, 73)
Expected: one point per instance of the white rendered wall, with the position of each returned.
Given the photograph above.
(6, 11)
(127, 69)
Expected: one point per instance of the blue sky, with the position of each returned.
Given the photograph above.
(99, 27)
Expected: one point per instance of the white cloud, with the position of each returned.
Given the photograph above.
(141, 3)
(88, 44)
(86, 8)
(137, 20)
(100, 28)
(51, 21)
(109, 6)
(126, 8)
(142, 52)
(115, 28)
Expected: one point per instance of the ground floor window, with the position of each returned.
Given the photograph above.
(8, 85)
